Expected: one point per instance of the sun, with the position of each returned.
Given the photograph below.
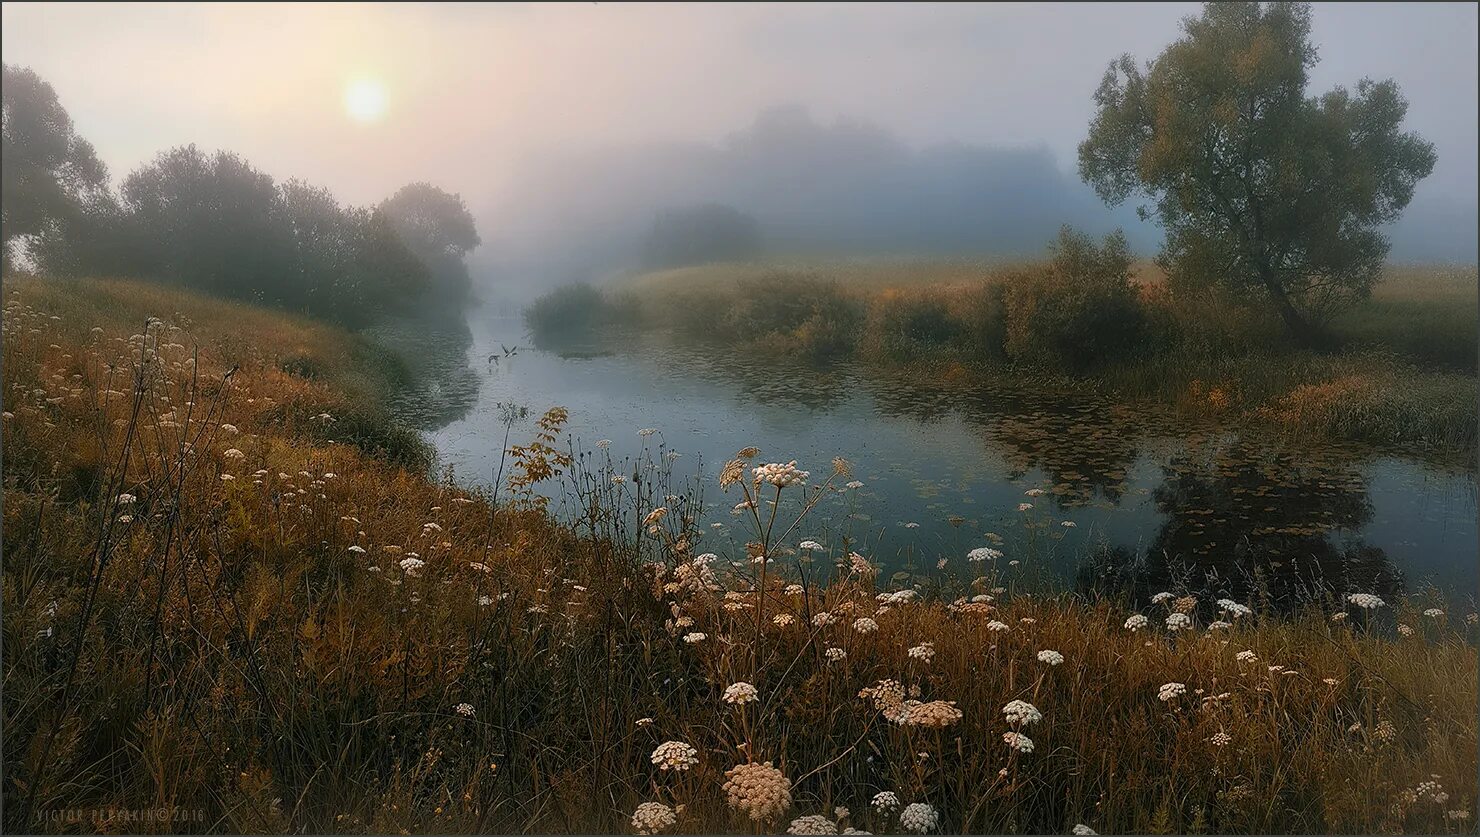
(365, 100)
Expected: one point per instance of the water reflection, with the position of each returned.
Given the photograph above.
(1246, 522)
(1122, 498)
(442, 385)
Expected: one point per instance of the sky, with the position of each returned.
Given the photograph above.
(472, 91)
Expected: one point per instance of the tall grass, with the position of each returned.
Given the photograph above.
(212, 610)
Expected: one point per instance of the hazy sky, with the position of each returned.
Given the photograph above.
(472, 88)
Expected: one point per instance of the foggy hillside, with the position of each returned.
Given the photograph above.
(828, 189)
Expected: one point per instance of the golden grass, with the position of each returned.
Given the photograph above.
(214, 647)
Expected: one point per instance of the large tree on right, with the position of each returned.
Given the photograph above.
(1260, 188)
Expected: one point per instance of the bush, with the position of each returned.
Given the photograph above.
(795, 313)
(569, 311)
(903, 324)
(1079, 310)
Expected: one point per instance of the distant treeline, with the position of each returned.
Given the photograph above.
(212, 222)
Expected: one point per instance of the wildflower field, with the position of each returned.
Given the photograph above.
(235, 591)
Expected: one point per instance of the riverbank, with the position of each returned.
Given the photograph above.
(1398, 371)
(225, 598)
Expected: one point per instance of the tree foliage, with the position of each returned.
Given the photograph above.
(213, 222)
(1079, 309)
(437, 227)
(1260, 188)
(50, 174)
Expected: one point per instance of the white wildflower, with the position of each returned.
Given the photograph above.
(740, 694)
(1018, 741)
(675, 755)
(1021, 713)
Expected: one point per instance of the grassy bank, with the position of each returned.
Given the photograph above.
(1398, 370)
(214, 605)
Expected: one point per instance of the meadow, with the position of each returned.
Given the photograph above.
(1396, 371)
(235, 591)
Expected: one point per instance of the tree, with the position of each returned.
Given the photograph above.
(700, 234)
(214, 223)
(48, 174)
(437, 227)
(1259, 188)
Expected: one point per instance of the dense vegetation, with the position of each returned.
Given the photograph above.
(213, 223)
(220, 603)
(1260, 190)
(1396, 370)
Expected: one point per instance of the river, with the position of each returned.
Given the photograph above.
(1075, 490)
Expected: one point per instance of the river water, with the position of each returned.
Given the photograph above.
(1119, 497)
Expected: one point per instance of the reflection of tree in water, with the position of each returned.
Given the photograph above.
(772, 380)
(1084, 446)
(433, 343)
(1245, 525)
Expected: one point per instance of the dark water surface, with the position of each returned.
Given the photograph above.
(1147, 503)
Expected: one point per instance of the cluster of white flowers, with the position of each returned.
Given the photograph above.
(854, 484)
(779, 474)
(652, 818)
(1021, 713)
(465, 710)
(1366, 601)
(813, 545)
(1053, 658)
(919, 818)
(1219, 625)
(885, 802)
(937, 714)
(1221, 739)
(1018, 741)
(741, 693)
(675, 755)
(1137, 621)
(898, 597)
(759, 790)
(865, 625)
(1169, 691)
(984, 553)
(1022, 507)
(823, 619)
(1245, 656)
(696, 636)
(812, 824)
(233, 453)
(1433, 613)
(1161, 597)
(1083, 830)
(412, 566)
(1178, 622)
(781, 620)
(924, 652)
(835, 654)
(1234, 608)
(1405, 630)
(996, 626)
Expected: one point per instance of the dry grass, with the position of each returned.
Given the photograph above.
(218, 646)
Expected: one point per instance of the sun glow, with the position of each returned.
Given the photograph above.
(365, 100)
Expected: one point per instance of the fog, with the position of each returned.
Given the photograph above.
(856, 130)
